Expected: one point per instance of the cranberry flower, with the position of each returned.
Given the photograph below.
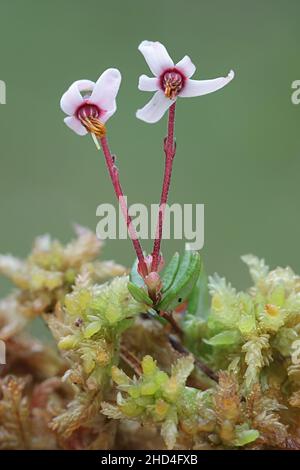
(171, 81)
(89, 105)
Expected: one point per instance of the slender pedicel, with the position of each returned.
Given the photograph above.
(98, 132)
(169, 149)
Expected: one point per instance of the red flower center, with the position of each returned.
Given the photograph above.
(88, 110)
(172, 81)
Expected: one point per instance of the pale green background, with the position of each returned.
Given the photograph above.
(238, 149)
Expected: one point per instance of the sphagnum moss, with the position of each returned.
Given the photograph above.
(114, 365)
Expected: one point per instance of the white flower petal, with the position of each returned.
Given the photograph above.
(73, 123)
(148, 83)
(203, 87)
(156, 56)
(155, 108)
(71, 100)
(85, 85)
(186, 66)
(106, 89)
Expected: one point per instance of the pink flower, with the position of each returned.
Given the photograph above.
(86, 99)
(171, 81)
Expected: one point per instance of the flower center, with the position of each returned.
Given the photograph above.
(89, 115)
(86, 111)
(172, 82)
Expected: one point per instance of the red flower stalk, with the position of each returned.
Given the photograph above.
(114, 176)
(170, 149)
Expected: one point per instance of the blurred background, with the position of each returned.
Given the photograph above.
(238, 150)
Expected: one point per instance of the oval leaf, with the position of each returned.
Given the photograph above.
(170, 272)
(185, 279)
(139, 294)
(226, 338)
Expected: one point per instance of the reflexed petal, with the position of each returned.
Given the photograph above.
(71, 100)
(203, 87)
(186, 66)
(155, 109)
(148, 84)
(106, 89)
(76, 126)
(156, 56)
(85, 85)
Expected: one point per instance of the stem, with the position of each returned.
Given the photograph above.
(114, 176)
(203, 367)
(181, 349)
(131, 360)
(169, 317)
(178, 346)
(169, 149)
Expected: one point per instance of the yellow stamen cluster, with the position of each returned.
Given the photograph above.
(172, 83)
(94, 126)
(170, 91)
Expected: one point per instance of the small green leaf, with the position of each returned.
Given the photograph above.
(187, 275)
(226, 338)
(193, 299)
(170, 272)
(194, 321)
(199, 298)
(245, 437)
(139, 294)
(68, 342)
(148, 365)
(92, 328)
